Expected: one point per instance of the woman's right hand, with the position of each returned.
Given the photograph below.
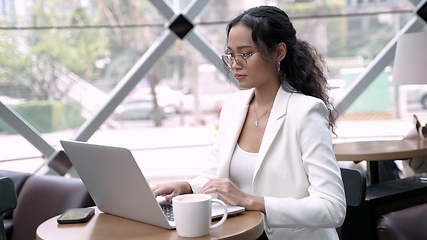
(171, 189)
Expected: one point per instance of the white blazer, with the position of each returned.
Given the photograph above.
(296, 171)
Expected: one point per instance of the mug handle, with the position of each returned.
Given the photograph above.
(224, 216)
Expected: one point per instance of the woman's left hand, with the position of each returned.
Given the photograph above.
(230, 192)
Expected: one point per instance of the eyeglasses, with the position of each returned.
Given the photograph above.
(240, 59)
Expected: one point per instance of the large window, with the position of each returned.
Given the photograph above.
(62, 59)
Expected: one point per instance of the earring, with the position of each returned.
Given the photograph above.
(278, 66)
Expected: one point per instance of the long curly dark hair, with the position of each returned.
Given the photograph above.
(302, 70)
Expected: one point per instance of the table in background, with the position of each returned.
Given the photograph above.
(374, 151)
(246, 225)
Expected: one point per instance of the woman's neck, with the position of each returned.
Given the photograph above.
(264, 97)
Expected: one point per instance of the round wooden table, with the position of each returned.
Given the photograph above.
(244, 226)
(374, 151)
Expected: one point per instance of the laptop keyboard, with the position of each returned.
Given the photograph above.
(168, 211)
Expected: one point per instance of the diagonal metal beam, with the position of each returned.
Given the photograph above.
(148, 60)
(58, 160)
(194, 8)
(210, 53)
(376, 66)
(129, 81)
(132, 78)
(21, 126)
(164, 9)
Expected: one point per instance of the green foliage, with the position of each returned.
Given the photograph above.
(313, 9)
(12, 62)
(47, 116)
(335, 27)
(35, 56)
(127, 45)
(75, 49)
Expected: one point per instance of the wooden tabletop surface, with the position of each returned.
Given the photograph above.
(380, 150)
(244, 226)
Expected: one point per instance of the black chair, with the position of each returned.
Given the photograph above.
(354, 181)
(43, 197)
(7, 201)
(354, 185)
(18, 179)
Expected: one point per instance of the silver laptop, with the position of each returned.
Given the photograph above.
(117, 185)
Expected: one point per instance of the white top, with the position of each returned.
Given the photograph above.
(242, 169)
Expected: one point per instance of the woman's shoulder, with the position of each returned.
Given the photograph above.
(237, 100)
(299, 98)
(301, 104)
(238, 97)
(306, 98)
(244, 93)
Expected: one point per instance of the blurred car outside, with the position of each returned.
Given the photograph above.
(211, 94)
(416, 94)
(139, 104)
(219, 108)
(337, 90)
(208, 103)
(137, 109)
(167, 98)
(6, 100)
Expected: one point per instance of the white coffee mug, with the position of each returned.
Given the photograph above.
(192, 214)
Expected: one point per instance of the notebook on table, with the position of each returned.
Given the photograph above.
(117, 185)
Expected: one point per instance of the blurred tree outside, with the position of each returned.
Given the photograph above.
(346, 41)
(129, 44)
(37, 58)
(69, 37)
(326, 43)
(100, 40)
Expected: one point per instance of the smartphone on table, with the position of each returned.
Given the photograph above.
(76, 215)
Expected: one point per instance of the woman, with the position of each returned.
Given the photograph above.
(274, 151)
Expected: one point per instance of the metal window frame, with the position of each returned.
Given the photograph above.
(150, 57)
(126, 84)
(415, 24)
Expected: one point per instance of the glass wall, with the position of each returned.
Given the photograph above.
(61, 61)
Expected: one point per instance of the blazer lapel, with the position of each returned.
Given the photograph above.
(275, 123)
(231, 132)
